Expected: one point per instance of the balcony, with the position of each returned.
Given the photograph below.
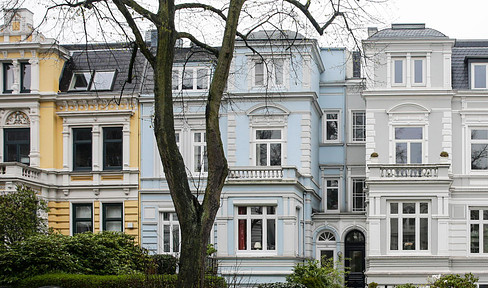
(263, 173)
(19, 173)
(417, 172)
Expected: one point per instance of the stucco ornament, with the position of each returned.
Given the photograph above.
(17, 118)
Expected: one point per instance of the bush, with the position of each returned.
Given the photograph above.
(312, 275)
(106, 253)
(372, 285)
(282, 285)
(455, 281)
(165, 264)
(112, 281)
(408, 285)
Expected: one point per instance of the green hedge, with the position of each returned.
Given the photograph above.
(112, 281)
(165, 264)
(282, 285)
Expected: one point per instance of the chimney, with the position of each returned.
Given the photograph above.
(372, 31)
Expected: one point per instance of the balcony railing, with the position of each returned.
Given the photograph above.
(409, 171)
(257, 173)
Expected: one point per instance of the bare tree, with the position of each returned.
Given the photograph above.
(234, 19)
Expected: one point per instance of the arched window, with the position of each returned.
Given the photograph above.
(326, 236)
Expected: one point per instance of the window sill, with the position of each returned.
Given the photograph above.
(256, 253)
(331, 143)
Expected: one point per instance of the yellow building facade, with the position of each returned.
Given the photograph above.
(68, 130)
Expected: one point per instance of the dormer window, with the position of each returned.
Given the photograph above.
(92, 81)
(478, 75)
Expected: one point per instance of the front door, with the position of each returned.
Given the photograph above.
(354, 259)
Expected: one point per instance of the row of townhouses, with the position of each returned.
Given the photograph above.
(383, 167)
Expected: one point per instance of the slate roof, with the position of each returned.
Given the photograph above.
(407, 31)
(104, 57)
(264, 35)
(463, 50)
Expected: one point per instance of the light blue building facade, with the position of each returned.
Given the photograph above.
(285, 123)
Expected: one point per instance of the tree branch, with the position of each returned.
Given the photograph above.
(141, 11)
(139, 39)
(315, 24)
(201, 6)
(192, 38)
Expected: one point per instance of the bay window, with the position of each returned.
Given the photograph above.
(409, 226)
(256, 228)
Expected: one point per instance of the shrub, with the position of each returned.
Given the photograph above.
(312, 275)
(455, 281)
(444, 154)
(108, 253)
(165, 264)
(282, 285)
(372, 285)
(112, 281)
(408, 285)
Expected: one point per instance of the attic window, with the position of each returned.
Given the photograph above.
(96, 81)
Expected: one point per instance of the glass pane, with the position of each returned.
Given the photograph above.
(271, 210)
(394, 208)
(278, 71)
(325, 256)
(479, 156)
(188, 79)
(393, 234)
(80, 81)
(113, 155)
(424, 234)
(197, 137)
(24, 150)
(82, 134)
(332, 131)
(275, 154)
(103, 80)
(242, 210)
(175, 82)
(424, 208)
(83, 226)
(401, 153)
(475, 214)
(332, 183)
(398, 71)
(268, 134)
(331, 116)
(166, 237)
(270, 234)
(408, 208)
(257, 210)
(175, 216)
(262, 154)
(202, 79)
(83, 155)
(113, 226)
(83, 212)
(256, 234)
(8, 71)
(485, 214)
(479, 76)
(408, 133)
(176, 238)
(17, 135)
(408, 234)
(356, 261)
(242, 234)
(415, 153)
(26, 77)
(485, 238)
(259, 73)
(112, 133)
(332, 199)
(418, 71)
(479, 134)
(475, 238)
(198, 158)
(11, 153)
(113, 211)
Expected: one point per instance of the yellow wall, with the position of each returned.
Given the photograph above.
(134, 139)
(50, 67)
(51, 140)
(131, 209)
(58, 217)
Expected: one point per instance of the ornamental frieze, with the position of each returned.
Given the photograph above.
(96, 105)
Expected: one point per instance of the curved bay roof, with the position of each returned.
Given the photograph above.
(407, 31)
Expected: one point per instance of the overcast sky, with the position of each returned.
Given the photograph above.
(465, 19)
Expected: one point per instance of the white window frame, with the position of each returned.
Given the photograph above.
(355, 195)
(417, 216)
(326, 188)
(193, 70)
(324, 125)
(472, 75)
(203, 158)
(481, 221)
(248, 217)
(393, 71)
(424, 70)
(257, 142)
(171, 222)
(326, 245)
(469, 150)
(409, 142)
(269, 71)
(354, 126)
(102, 214)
